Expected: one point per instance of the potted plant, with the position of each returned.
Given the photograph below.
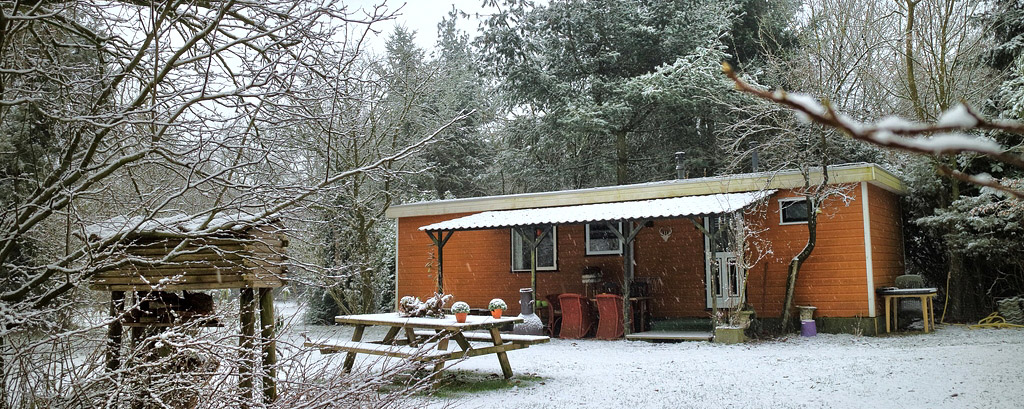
(741, 318)
(496, 306)
(461, 311)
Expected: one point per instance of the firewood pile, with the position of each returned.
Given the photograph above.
(162, 307)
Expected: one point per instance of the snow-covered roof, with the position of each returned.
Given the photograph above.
(747, 182)
(629, 210)
(180, 224)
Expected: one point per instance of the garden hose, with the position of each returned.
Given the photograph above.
(993, 320)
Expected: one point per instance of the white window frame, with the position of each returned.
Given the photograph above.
(554, 249)
(590, 252)
(726, 259)
(782, 212)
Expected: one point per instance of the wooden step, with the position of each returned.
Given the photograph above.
(671, 336)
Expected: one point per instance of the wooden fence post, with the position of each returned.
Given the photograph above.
(115, 331)
(245, 345)
(267, 334)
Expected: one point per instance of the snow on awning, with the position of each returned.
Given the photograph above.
(673, 207)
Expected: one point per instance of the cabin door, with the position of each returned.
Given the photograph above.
(723, 281)
(724, 285)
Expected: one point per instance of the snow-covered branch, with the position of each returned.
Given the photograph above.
(948, 135)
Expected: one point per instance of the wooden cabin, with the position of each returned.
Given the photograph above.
(859, 244)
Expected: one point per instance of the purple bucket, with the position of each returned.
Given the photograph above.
(808, 328)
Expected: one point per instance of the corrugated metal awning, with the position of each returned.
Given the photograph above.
(632, 210)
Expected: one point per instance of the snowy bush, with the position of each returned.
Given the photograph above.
(497, 304)
(460, 307)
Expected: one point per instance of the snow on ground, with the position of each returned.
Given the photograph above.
(953, 367)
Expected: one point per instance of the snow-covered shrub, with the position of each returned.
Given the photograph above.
(321, 308)
(991, 223)
(497, 304)
(987, 231)
(460, 307)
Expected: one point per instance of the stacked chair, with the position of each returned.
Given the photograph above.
(609, 307)
(576, 321)
(554, 314)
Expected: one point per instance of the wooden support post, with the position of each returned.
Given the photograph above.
(267, 335)
(410, 335)
(442, 345)
(350, 358)
(627, 236)
(115, 331)
(627, 277)
(532, 239)
(246, 364)
(888, 312)
(390, 337)
(440, 238)
(506, 368)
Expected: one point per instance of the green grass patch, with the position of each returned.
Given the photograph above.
(458, 383)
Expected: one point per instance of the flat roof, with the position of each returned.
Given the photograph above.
(744, 182)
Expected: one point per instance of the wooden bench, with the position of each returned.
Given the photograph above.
(397, 351)
(483, 336)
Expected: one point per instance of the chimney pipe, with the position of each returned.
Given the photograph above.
(753, 155)
(680, 167)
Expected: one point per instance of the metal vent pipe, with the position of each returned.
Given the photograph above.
(680, 167)
(753, 156)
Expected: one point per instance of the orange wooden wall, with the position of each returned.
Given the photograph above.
(886, 237)
(477, 263)
(834, 278)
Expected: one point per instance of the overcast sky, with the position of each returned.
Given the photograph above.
(422, 17)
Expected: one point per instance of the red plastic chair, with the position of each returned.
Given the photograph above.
(575, 316)
(554, 314)
(609, 308)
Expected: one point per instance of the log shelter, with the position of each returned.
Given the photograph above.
(155, 264)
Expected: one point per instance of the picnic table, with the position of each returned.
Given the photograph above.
(422, 335)
(891, 297)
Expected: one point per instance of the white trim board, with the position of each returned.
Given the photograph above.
(867, 248)
(749, 182)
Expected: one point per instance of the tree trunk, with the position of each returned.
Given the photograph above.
(3, 374)
(965, 298)
(908, 59)
(621, 158)
(797, 262)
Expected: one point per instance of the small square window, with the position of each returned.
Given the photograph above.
(547, 252)
(602, 240)
(793, 211)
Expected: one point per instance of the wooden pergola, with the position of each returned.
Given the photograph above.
(153, 265)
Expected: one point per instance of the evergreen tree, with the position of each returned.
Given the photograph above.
(458, 161)
(586, 102)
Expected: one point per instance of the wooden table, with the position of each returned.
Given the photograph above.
(428, 331)
(891, 296)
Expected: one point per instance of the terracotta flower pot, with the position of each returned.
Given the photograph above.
(461, 316)
(496, 313)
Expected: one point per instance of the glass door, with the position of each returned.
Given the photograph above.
(723, 281)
